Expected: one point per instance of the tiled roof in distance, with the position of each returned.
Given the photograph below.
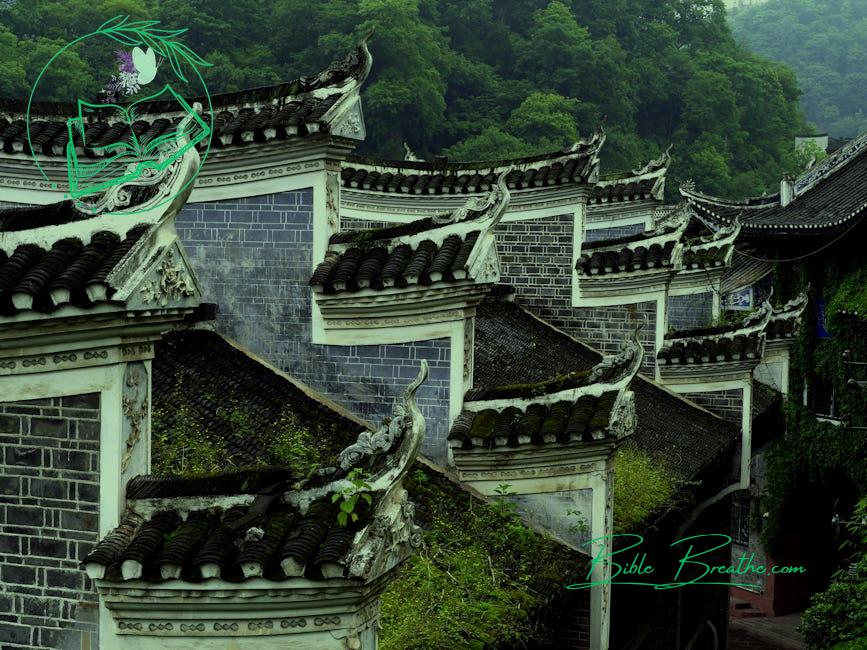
(256, 115)
(681, 434)
(576, 165)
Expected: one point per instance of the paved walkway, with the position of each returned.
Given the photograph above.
(765, 633)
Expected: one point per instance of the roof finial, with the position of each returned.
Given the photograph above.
(409, 154)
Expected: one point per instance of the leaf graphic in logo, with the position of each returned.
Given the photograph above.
(146, 63)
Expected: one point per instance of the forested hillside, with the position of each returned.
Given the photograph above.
(825, 42)
(479, 79)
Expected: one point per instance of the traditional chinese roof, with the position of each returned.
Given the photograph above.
(282, 531)
(203, 377)
(580, 164)
(115, 247)
(445, 249)
(785, 320)
(827, 198)
(513, 346)
(301, 107)
(712, 251)
(645, 183)
(647, 251)
(709, 345)
(70, 271)
(583, 405)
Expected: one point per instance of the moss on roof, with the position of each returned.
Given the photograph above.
(480, 578)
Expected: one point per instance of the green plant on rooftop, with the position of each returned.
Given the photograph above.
(478, 579)
(642, 486)
(349, 496)
(189, 439)
(184, 448)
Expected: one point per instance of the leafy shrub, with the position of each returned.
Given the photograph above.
(478, 578)
(837, 615)
(641, 485)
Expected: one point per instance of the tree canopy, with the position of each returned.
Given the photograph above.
(823, 41)
(478, 78)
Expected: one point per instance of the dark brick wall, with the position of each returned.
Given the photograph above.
(253, 257)
(49, 501)
(727, 404)
(687, 312)
(605, 328)
(536, 257)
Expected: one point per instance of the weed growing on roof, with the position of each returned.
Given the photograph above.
(188, 441)
(349, 496)
(642, 485)
(184, 448)
(478, 579)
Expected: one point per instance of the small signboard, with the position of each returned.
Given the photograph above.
(741, 299)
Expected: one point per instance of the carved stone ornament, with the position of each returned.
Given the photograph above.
(374, 442)
(623, 419)
(625, 358)
(469, 347)
(389, 536)
(478, 204)
(677, 220)
(663, 161)
(134, 402)
(409, 154)
(490, 269)
(350, 124)
(172, 284)
(120, 196)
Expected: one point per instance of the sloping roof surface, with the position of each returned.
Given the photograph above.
(827, 198)
(443, 177)
(510, 341)
(199, 375)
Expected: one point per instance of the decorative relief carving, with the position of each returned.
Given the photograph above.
(135, 407)
(351, 323)
(153, 627)
(490, 269)
(64, 358)
(173, 283)
(95, 354)
(226, 627)
(35, 361)
(469, 346)
(623, 419)
(192, 627)
(319, 621)
(124, 625)
(8, 365)
(293, 622)
(133, 350)
(266, 624)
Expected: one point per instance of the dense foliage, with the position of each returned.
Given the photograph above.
(642, 485)
(823, 41)
(838, 615)
(478, 578)
(477, 79)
